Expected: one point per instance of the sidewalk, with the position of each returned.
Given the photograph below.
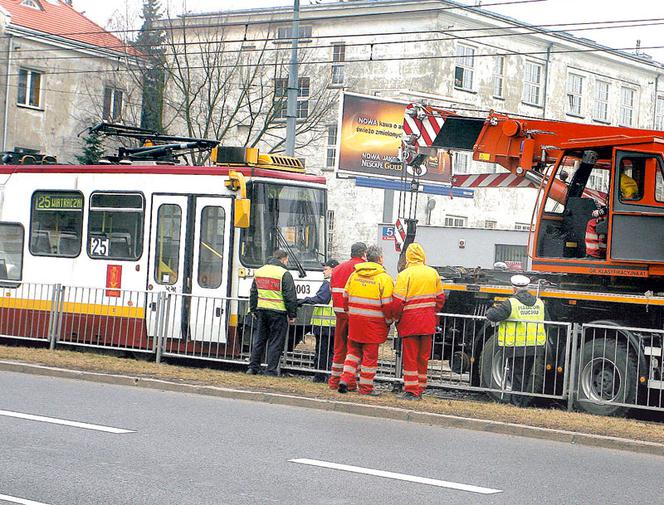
(613, 433)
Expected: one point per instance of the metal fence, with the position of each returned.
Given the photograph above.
(604, 368)
(529, 359)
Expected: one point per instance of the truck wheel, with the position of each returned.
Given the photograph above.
(608, 374)
(495, 369)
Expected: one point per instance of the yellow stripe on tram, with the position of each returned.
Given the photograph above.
(88, 309)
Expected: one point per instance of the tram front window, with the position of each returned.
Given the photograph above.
(281, 215)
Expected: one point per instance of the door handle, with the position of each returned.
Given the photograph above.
(218, 311)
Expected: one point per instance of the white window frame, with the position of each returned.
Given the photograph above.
(330, 227)
(532, 84)
(627, 106)
(575, 94)
(601, 106)
(303, 93)
(27, 88)
(331, 150)
(522, 226)
(283, 34)
(456, 221)
(659, 112)
(338, 60)
(498, 77)
(112, 114)
(461, 163)
(32, 4)
(465, 61)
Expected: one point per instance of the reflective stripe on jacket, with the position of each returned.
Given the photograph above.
(368, 297)
(323, 316)
(514, 333)
(268, 282)
(418, 295)
(595, 243)
(338, 281)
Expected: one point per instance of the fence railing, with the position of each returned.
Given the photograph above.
(604, 368)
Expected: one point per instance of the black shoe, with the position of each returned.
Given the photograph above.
(409, 396)
(343, 388)
(373, 392)
(251, 371)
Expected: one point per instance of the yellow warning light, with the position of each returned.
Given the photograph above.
(572, 302)
(559, 369)
(642, 380)
(549, 367)
(148, 143)
(472, 359)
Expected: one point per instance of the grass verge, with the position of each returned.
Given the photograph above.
(543, 418)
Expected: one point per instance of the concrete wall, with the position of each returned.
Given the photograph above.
(446, 246)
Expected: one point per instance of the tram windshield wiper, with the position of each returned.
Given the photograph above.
(289, 250)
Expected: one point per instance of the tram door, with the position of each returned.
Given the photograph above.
(189, 260)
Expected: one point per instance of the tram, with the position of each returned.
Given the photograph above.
(194, 232)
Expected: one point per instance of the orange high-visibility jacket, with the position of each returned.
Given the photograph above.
(418, 295)
(368, 297)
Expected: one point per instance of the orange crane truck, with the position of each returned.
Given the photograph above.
(623, 288)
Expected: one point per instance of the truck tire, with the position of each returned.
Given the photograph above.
(607, 374)
(492, 373)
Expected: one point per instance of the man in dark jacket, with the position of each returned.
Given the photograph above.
(323, 322)
(521, 336)
(274, 302)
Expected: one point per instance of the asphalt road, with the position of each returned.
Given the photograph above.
(190, 449)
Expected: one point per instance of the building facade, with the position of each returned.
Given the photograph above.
(59, 74)
(452, 56)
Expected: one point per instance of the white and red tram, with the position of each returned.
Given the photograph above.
(191, 231)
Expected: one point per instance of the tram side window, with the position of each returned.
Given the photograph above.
(211, 251)
(57, 223)
(11, 251)
(115, 226)
(167, 247)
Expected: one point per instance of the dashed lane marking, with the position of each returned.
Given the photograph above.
(65, 422)
(398, 476)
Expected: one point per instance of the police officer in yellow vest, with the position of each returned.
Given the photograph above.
(323, 322)
(522, 335)
(273, 300)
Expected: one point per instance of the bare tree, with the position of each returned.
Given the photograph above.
(223, 87)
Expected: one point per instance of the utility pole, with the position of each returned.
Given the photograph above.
(293, 82)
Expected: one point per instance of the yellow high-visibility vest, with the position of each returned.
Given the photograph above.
(523, 333)
(268, 283)
(323, 316)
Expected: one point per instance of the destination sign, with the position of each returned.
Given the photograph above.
(58, 201)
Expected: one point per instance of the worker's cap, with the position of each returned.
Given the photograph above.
(331, 263)
(519, 280)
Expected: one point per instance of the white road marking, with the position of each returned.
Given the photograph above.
(75, 424)
(21, 501)
(398, 476)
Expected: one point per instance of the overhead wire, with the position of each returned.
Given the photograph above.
(530, 30)
(620, 51)
(303, 19)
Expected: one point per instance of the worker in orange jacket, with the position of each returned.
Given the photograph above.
(368, 296)
(338, 280)
(418, 297)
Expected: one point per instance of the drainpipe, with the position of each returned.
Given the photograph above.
(546, 79)
(10, 47)
(654, 109)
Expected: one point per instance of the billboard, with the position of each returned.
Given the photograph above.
(370, 137)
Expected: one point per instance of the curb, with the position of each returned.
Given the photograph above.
(380, 411)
